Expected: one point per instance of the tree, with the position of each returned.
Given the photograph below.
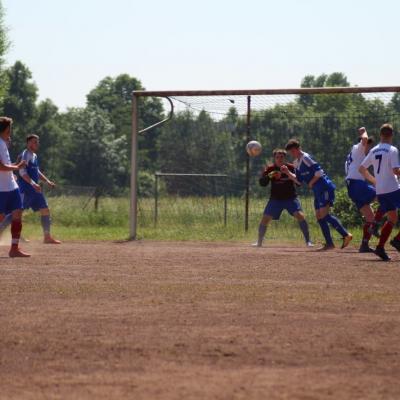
(4, 45)
(20, 102)
(113, 96)
(92, 149)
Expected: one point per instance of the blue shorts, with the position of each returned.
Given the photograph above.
(389, 201)
(10, 201)
(360, 192)
(324, 198)
(35, 201)
(274, 208)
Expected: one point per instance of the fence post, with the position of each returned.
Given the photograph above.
(156, 199)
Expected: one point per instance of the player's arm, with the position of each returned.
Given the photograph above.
(44, 178)
(366, 174)
(23, 173)
(364, 169)
(12, 167)
(292, 176)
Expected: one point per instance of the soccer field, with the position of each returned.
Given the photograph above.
(169, 320)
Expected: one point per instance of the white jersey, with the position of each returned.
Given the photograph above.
(353, 162)
(384, 157)
(7, 180)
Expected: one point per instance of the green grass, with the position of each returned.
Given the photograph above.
(179, 219)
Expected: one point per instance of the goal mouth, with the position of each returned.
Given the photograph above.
(324, 119)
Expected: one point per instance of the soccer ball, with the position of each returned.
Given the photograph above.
(253, 148)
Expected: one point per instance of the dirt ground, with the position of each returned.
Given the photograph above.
(150, 320)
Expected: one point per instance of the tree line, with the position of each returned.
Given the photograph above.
(90, 145)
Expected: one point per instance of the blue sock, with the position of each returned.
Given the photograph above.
(46, 222)
(326, 231)
(304, 228)
(6, 222)
(331, 219)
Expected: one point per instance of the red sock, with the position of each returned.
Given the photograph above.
(16, 228)
(379, 215)
(385, 233)
(366, 232)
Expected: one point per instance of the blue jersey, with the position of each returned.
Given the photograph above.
(307, 168)
(31, 169)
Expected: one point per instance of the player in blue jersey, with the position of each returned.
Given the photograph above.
(10, 197)
(310, 172)
(361, 192)
(28, 181)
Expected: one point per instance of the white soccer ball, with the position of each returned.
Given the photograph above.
(253, 148)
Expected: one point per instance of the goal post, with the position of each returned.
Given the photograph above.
(249, 104)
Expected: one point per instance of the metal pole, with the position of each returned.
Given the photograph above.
(225, 203)
(246, 212)
(156, 200)
(134, 171)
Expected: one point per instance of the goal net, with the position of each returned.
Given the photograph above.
(205, 132)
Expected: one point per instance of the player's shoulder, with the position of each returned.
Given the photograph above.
(307, 159)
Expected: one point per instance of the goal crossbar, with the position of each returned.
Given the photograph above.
(256, 92)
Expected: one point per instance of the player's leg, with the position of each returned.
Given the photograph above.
(294, 208)
(332, 220)
(368, 214)
(321, 214)
(385, 234)
(5, 222)
(262, 229)
(15, 206)
(46, 225)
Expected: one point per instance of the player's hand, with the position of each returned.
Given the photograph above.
(22, 164)
(284, 169)
(37, 187)
(51, 184)
(361, 131)
(274, 175)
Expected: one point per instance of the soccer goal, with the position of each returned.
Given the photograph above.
(206, 131)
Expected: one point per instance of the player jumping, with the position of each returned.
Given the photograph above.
(385, 160)
(360, 191)
(283, 197)
(10, 196)
(310, 172)
(28, 181)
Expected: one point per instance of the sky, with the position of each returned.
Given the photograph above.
(211, 44)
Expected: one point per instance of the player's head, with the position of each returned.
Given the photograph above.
(386, 133)
(279, 157)
(5, 128)
(32, 142)
(293, 148)
(370, 145)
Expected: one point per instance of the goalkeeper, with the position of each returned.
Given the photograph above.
(283, 197)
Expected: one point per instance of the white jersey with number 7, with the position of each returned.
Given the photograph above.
(384, 157)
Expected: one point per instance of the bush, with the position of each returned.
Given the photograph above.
(146, 182)
(345, 209)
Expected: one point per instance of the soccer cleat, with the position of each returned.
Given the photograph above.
(364, 248)
(256, 244)
(346, 240)
(309, 244)
(326, 247)
(16, 252)
(50, 240)
(381, 253)
(396, 244)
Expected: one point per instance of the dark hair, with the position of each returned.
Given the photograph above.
(5, 122)
(31, 136)
(371, 140)
(292, 144)
(386, 130)
(279, 151)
